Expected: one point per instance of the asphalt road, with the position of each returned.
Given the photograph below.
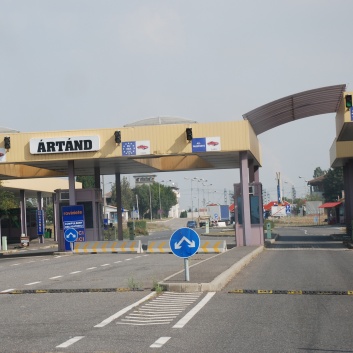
(201, 322)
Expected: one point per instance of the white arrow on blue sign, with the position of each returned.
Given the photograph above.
(71, 235)
(184, 242)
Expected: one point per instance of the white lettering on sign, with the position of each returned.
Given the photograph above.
(64, 144)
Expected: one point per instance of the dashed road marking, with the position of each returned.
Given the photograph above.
(55, 277)
(160, 342)
(32, 283)
(73, 273)
(70, 342)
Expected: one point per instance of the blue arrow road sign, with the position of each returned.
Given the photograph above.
(184, 242)
(70, 235)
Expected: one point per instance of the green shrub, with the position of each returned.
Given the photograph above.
(140, 227)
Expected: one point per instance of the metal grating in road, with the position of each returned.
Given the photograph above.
(160, 311)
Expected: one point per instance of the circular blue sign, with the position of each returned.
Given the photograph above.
(70, 235)
(184, 242)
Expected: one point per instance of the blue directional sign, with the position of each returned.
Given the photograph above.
(71, 235)
(288, 209)
(184, 242)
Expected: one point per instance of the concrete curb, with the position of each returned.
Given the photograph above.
(218, 283)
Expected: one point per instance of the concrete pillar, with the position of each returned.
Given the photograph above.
(97, 178)
(23, 212)
(72, 193)
(348, 193)
(119, 206)
(40, 207)
(244, 180)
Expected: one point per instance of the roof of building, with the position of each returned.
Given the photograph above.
(296, 106)
(161, 120)
(330, 204)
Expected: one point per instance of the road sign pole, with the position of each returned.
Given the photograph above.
(187, 274)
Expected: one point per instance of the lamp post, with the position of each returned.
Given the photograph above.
(192, 202)
(306, 181)
(149, 187)
(159, 193)
(203, 193)
(199, 180)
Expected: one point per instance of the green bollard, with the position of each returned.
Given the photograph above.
(268, 233)
(4, 243)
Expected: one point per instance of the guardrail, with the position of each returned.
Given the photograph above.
(90, 247)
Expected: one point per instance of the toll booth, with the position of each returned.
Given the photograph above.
(92, 202)
(256, 234)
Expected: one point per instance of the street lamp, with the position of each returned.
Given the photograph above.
(199, 180)
(203, 193)
(192, 202)
(300, 177)
(159, 193)
(149, 187)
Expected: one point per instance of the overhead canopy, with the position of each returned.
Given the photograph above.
(297, 106)
(330, 204)
(154, 147)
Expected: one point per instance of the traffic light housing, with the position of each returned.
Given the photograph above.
(348, 98)
(117, 137)
(189, 133)
(7, 142)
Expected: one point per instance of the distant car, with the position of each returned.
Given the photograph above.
(191, 224)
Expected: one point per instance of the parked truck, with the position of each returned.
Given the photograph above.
(219, 213)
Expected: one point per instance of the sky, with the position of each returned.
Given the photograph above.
(85, 64)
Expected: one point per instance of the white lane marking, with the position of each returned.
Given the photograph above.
(70, 342)
(160, 342)
(91, 268)
(116, 262)
(72, 273)
(128, 259)
(28, 262)
(183, 321)
(45, 260)
(31, 284)
(14, 264)
(7, 290)
(125, 310)
(55, 277)
(105, 265)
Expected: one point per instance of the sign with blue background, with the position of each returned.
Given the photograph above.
(184, 242)
(73, 218)
(199, 144)
(40, 222)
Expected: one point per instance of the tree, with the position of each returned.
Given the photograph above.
(87, 181)
(319, 172)
(127, 195)
(167, 199)
(333, 184)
